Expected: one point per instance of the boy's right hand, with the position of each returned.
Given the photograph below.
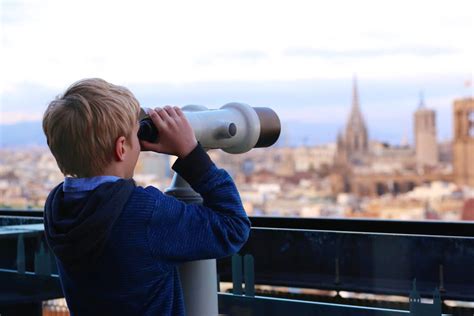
(176, 134)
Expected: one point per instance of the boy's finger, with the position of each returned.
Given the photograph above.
(145, 145)
(156, 118)
(163, 114)
(156, 147)
(178, 111)
(171, 111)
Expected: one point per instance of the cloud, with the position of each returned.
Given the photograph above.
(28, 95)
(12, 117)
(25, 102)
(233, 57)
(422, 51)
(12, 12)
(180, 42)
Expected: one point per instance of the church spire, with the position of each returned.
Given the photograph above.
(355, 95)
(356, 120)
(356, 135)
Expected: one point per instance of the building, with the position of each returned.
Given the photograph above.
(371, 168)
(468, 210)
(313, 158)
(426, 147)
(463, 143)
(353, 144)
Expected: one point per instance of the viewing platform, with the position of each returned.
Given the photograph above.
(297, 266)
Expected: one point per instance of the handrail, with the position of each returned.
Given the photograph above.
(428, 227)
(21, 212)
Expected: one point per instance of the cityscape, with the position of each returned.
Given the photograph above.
(353, 176)
(363, 206)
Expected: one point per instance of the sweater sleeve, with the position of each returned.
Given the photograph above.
(183, 232)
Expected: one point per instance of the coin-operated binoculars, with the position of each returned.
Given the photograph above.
(235, 128)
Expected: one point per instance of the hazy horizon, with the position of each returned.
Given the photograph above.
(313, 110)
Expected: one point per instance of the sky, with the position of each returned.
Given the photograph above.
(298, 57)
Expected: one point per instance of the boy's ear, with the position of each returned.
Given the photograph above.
(120, 148)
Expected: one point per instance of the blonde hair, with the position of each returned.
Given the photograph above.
(83, 124)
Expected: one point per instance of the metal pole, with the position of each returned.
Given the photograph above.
(198, 278)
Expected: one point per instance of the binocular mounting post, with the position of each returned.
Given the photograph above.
(198, 278)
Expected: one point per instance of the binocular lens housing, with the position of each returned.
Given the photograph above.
(234, 128)
(270, 127)
(149, 132)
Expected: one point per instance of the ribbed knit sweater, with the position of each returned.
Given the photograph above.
(119, 247)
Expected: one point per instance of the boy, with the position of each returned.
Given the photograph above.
(118, 245)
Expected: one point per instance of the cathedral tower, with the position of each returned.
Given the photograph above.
(356, 136)
(426, 145)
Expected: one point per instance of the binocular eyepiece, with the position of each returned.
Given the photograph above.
(147, 130)
(234, 128)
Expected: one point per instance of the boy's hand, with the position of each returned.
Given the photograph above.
(176, 136)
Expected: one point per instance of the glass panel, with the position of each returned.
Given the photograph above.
(27, 269)
(361, 268)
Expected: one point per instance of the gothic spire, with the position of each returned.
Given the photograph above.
(356, 135)
(356, 119)
(355, 95)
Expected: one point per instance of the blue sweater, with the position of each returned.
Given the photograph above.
(118, 247)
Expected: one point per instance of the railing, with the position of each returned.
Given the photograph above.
(364, 256)
(367, 256)
(339, 255)
(26, 267)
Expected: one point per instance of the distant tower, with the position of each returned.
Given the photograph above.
(426, 145)
(356, 135)
(463, 145)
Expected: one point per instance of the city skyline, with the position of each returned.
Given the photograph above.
(353, 178)
(308, 125)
